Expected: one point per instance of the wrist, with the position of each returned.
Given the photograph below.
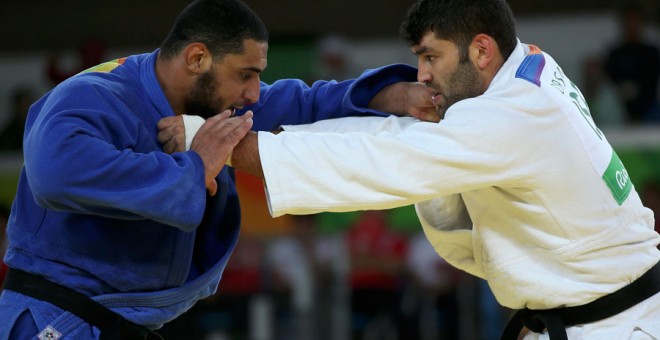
(392, 99)
(191, 125)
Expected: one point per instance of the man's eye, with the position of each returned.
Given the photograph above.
(429, 58)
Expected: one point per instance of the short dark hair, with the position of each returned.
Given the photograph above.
(222, 25)
(460, 21)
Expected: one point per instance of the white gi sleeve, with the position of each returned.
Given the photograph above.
(368, 124)
(448, 227)
(191, 125)
(373, 124)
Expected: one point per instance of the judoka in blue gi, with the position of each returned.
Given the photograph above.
(109, 236)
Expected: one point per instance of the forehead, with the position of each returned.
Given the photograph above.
(254, 56)
(430, 43)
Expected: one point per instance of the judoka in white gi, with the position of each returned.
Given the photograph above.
(516, 184)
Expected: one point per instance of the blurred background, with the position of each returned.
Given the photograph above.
(366, 275)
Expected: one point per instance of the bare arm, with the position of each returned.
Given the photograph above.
(246, 156)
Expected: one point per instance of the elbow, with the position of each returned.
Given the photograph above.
(49, 187)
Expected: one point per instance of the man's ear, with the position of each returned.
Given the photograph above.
(483, 50)
(198, 58)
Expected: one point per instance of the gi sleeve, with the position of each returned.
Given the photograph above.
(447, 226)
(292, 101)
(367, 124)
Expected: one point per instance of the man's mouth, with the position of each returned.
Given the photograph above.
(436, 99)
(236, 107)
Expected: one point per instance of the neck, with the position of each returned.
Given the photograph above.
(491, 71)
(172, 81)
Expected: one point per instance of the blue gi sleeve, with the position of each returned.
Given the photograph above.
(292, 101)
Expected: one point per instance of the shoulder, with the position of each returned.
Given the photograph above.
(96, 87)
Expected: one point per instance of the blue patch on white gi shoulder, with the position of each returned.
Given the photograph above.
(532, 66)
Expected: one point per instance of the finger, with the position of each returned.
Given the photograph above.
(168, 148)
(231, 128)
(164, 136)
(178, 140)
(236, 129)
(173, 139)
(215, 123)
(247, 124)
(173, 146)
(168, 121)
(221, 116)
(246, 120)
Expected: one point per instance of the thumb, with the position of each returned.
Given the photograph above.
(212, 187)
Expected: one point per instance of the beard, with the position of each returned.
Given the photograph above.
(464, 83)
(200, 101)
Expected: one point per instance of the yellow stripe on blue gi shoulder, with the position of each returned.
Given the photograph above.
(106, 67)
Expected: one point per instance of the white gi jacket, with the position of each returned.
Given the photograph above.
(555, 220)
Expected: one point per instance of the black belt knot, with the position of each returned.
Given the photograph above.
(556, 320)
(536, 322)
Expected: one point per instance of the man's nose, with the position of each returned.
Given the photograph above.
(423, 76)
(252, 92)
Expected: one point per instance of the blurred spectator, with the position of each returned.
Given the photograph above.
(377, 258)
(91, 52)
(4, 218)
(650, 196)
(606, 107)
(334, 61)
(11, 136)
(291, 261)
(634, 66)
(332, 286)
(241, 282)
(432, 300)
(227, 314)
(491, 316)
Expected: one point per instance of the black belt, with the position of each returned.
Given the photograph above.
(112, 325)
(556, 320)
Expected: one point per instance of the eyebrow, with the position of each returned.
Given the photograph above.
(253, 69)
(420, 50)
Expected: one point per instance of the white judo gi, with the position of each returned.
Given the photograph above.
(540, 205)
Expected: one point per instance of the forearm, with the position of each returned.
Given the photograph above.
(245, 156)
